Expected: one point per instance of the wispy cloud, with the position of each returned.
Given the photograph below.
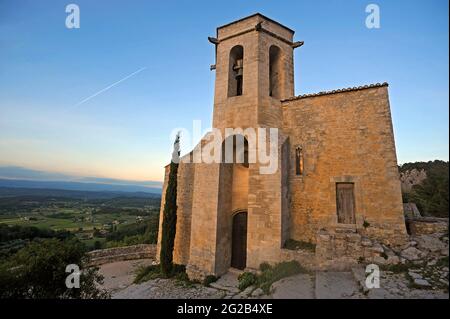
(110, 86)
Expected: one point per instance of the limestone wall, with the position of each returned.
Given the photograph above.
(345, 137)
(427, 225)
(185, 192)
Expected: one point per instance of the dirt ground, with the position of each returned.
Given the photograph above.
(319, 285)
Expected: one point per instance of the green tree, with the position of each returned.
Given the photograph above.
(431, 196)
(97, 245)
(39, 271)
(169, 221)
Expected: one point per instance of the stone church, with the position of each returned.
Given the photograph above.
(337, 167)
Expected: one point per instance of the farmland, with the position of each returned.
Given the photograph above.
(93, 218)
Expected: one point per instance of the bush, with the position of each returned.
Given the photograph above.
(443, 262)
(269, 275)
(431, 196)
(246, 279)
(397, 268)
(277, 272)
(39, 271)
(147, 273)
(209, 280)
(264, 266)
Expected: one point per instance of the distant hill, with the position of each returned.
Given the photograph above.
(61, 193)
(77, 186)
(21, 177)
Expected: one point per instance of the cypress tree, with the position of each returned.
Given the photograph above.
(170, 213)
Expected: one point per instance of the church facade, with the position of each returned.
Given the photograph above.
(336, 163)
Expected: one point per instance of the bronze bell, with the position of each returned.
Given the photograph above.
(239, 67)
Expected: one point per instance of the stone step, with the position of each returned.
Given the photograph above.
(225, 288)
(228, 282)
(235, 271)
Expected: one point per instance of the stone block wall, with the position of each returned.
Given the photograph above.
(346, 137)
(204, 220)
(427, 225)
(185, 192)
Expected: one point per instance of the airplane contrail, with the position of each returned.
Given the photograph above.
(110, 86)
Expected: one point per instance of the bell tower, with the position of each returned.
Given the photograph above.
(254, 72)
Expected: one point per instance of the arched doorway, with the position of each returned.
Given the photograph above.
(239, 241)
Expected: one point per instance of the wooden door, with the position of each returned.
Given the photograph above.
(239, 241)
(345, 203)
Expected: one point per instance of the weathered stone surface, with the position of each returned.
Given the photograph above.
(421, 282)
(296, 287)
(412, 254)
(336, 285)
(427, 225)
(430, 243)
(257, 292)
(414, 275)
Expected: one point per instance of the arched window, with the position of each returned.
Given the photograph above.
(299, 160)
(275, 71)
(235, 150)
(236, 71)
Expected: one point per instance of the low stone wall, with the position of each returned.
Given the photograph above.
(427, 225)
(342, 249)
(103, 256)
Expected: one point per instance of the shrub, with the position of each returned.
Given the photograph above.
(264, 266)
(39, 271)
(246, 279)
(397, 268)
(443, 262)
(431, 196)
(209, 280)
(151, 272)
(147, 273)
(269, 275)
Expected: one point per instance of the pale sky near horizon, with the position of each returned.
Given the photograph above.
(150, 61)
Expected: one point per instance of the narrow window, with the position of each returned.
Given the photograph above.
(299, 161)
(236, 71)
(274, 71)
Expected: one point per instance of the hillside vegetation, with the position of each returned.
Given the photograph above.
(431, 194)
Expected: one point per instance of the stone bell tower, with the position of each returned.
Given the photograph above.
(254, 71)
(243, 214)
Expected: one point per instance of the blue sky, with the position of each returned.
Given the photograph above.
(46, 69)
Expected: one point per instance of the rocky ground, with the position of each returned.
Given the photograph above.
(419, 270)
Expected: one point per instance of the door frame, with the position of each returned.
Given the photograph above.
(353, 198)
(233, 215)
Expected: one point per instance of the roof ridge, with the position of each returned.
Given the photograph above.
(349, 89)
(254, 15)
